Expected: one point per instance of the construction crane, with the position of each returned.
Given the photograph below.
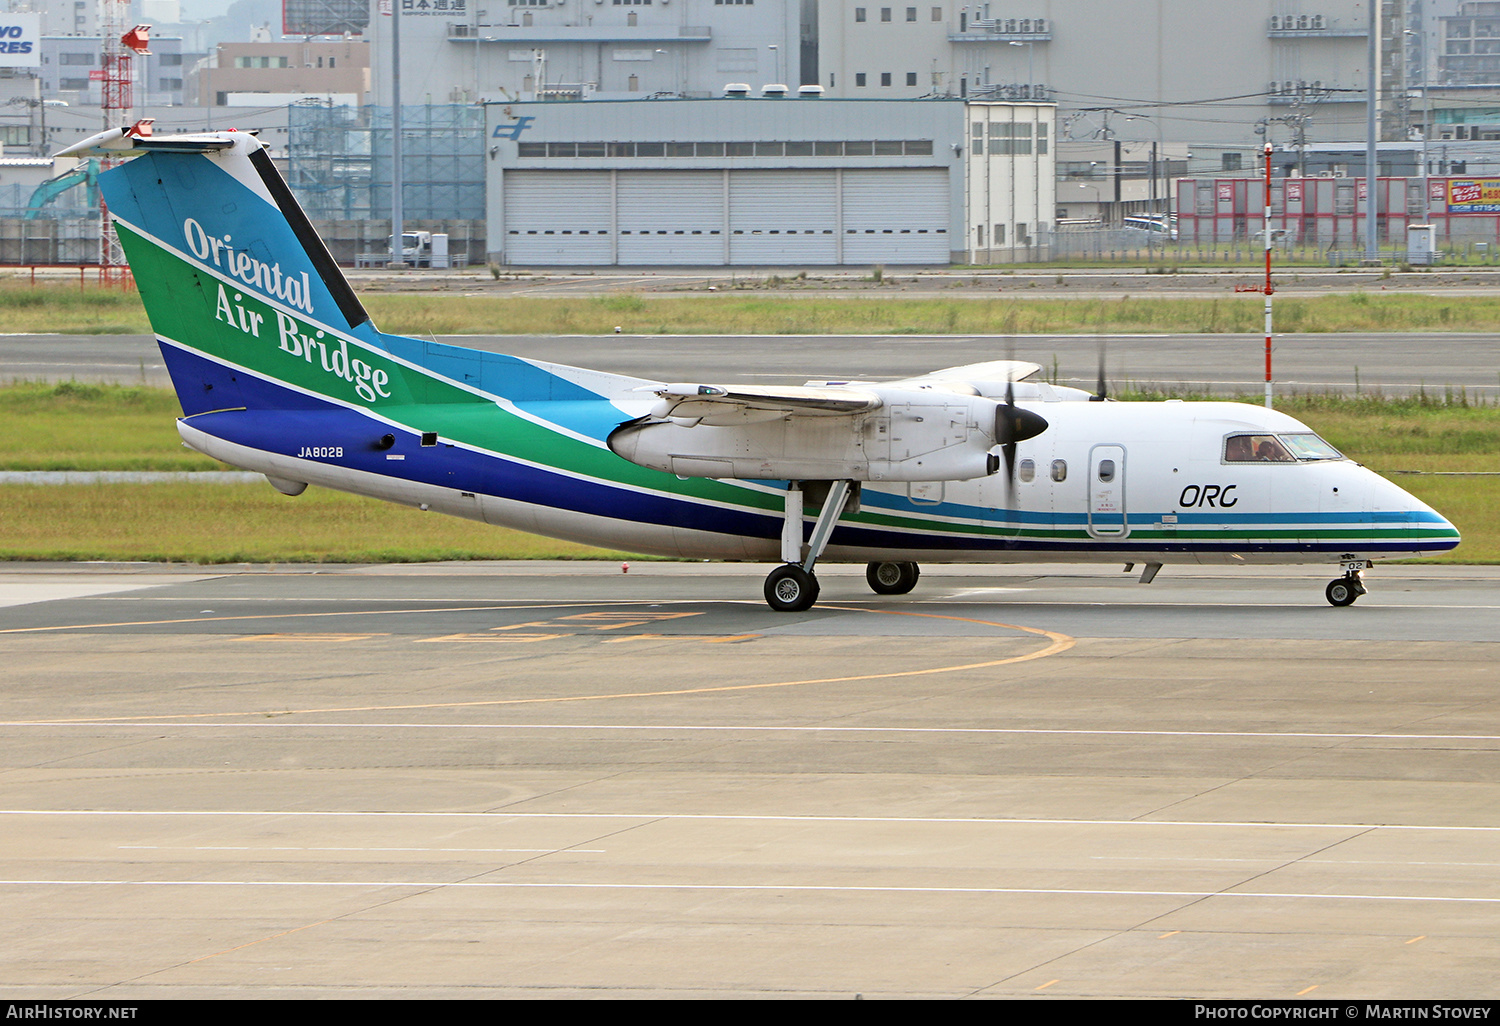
(118, 100)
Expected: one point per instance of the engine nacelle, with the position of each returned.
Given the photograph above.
(912, 436)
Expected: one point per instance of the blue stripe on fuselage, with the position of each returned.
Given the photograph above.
(280, 420)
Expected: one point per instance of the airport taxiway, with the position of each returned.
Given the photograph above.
(1223, 364)
(566, 780)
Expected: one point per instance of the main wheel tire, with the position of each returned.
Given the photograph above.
(1343, 592)
(791, 589)
(892, 578)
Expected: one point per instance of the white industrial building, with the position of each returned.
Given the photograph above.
(468, 50)
(768, 182)
(1187, 70)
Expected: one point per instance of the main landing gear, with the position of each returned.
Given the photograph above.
(792, 587)
(892, 578)
(1344, 590)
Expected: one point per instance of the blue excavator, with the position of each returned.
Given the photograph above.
(85, 174)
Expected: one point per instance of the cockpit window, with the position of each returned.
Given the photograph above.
(1310, 447)
(1277, 448)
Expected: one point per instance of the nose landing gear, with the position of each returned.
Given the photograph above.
(1344, 590)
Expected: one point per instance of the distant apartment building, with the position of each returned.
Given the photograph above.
(267, 73)
(72, 71)
(65, 17)
(1470, 53)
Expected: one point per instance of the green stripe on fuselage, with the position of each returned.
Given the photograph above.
(187, 304)
(221, 319)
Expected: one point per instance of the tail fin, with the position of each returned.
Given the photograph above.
(251, 311)
(232, 274)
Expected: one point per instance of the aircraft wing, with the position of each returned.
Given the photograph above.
(987, 379)
(939, 427)
(972, 378)
(740, 404)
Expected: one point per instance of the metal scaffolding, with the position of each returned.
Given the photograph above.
(339, 162)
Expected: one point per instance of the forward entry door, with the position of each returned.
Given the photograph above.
(1107, 517)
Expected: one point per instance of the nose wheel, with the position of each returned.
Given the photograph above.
(1344, 590)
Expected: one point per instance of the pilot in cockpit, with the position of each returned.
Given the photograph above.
(1272, 451)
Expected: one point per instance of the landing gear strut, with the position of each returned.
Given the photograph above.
(1344, 590)
(892, 578)
(793, 588)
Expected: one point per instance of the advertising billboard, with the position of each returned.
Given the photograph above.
(20, 40)
(324, 17)
(1473, 195)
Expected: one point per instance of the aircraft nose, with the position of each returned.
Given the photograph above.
(1425, 525)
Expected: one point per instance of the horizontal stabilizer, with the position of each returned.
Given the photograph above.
(116, 142)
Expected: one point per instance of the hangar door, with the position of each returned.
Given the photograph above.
(558, 218)
(896, 216)
(715, 217)
(783, 217)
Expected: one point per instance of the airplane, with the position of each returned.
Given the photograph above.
(280, 370)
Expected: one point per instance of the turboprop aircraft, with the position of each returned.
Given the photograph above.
(280, 370)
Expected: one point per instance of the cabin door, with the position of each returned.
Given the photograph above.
(1106, 493)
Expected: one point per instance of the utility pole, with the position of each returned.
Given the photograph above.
(398, 228)
(1372, 243)
(1268, 288)
(1119, 172)
(1420, 38)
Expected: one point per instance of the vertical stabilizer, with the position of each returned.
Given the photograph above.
(234, 278)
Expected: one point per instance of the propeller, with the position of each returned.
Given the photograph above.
(1101, 389)
(1012, 425)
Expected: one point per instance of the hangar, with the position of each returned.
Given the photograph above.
(768, 181)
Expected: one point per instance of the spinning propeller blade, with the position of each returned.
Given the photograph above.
(1012, 425)
(1101, 388)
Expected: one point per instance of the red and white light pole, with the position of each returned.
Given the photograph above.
(1268, 289)
(118, 96)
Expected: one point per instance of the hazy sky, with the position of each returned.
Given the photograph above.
(200, 10)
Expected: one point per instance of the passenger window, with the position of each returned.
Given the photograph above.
(1106, 470)
(1027, 470)
(1059, 470)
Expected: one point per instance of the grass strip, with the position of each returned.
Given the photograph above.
(186, 523)
(69, 310)
(211, 524)
(77, 426)
(72, 426)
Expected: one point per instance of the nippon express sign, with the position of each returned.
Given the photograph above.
(1473, 195)
(20, 40)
